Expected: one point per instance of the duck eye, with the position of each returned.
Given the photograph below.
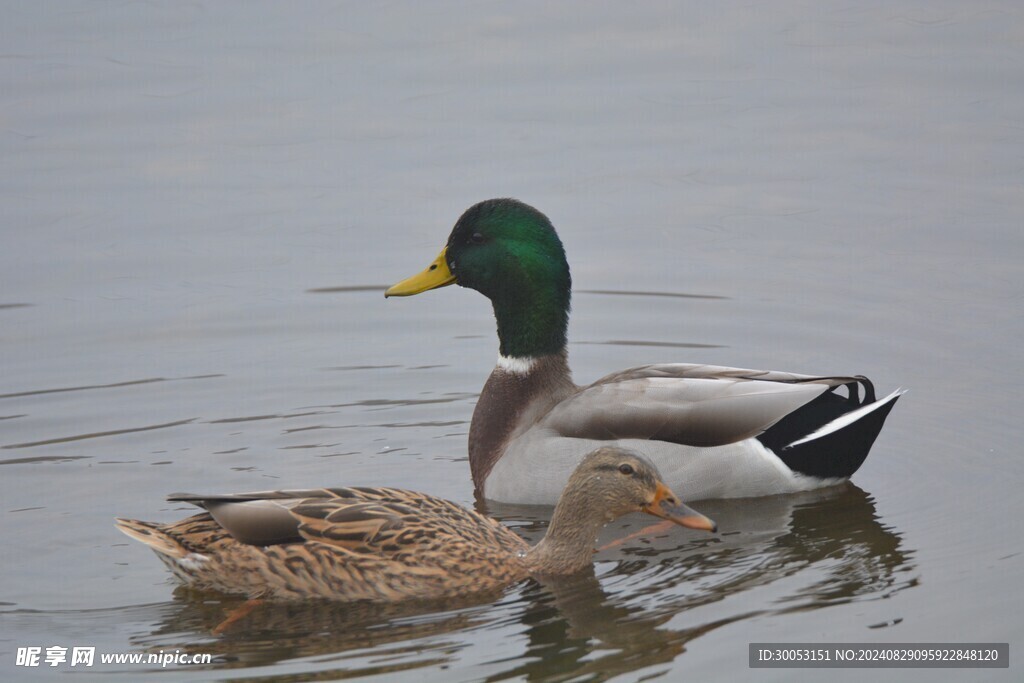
(626, 468)
(476, 238)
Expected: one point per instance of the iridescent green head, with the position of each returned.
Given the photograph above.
(509, 252)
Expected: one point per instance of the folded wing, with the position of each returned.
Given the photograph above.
(695, 405)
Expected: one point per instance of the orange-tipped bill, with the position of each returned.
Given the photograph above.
(676, 511)
(436, 275)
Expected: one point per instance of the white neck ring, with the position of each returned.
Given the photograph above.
(516, 366)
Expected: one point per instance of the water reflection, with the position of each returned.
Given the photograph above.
(675, 295)
(656, 344)
(581, 627)
(631, 614)
(357, 639)
(114, 385)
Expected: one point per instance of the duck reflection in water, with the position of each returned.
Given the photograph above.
(648, 598)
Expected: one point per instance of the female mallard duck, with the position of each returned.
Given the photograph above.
(715, 432)
(386, 544)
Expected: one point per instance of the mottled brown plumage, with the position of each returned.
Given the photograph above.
(385, 544)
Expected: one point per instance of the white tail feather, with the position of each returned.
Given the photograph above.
(847, 419)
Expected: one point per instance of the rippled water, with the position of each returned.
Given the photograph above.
(203, 205)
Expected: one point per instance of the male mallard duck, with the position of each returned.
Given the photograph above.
(715, 432)
(386, 544)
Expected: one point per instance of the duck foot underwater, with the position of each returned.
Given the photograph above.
(236, 615)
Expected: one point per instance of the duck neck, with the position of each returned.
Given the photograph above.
(520, 391)
(568, 546)
(532, 322)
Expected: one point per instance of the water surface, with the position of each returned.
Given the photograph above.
(202, 207)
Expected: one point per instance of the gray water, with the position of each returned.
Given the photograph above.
(201, 206)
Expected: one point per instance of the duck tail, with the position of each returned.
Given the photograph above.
(830, 437)
(152, 535)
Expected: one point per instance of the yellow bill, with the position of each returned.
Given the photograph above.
(436, 275)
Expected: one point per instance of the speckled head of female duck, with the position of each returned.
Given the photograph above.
(384, 544)
(713, 431)
(609, 483)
